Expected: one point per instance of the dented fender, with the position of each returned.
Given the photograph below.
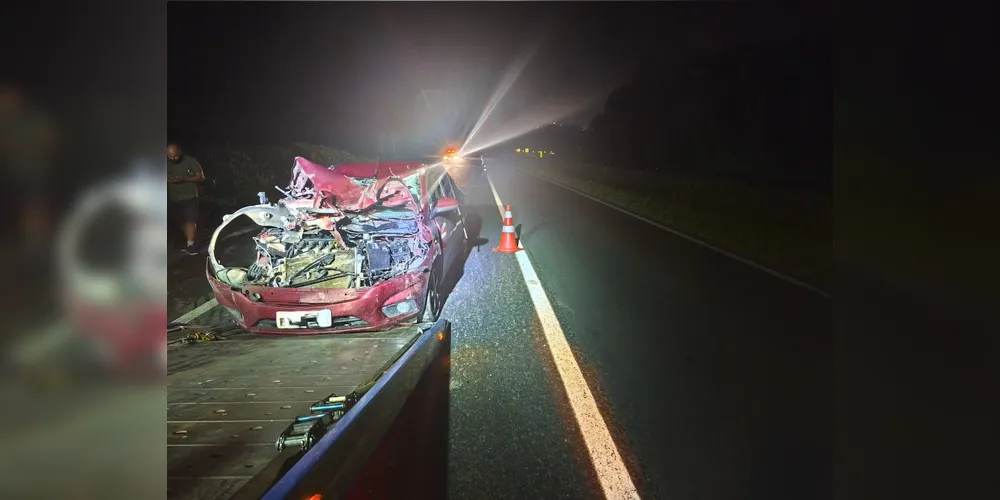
(262, 215)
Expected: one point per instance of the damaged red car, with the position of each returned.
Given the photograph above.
(353, 247)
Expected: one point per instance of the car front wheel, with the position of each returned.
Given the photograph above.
(432, 299)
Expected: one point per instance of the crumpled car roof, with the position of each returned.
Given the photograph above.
(382, 170)
(355, 186)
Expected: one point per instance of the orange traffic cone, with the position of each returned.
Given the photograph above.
(508, 220)
(508, 242)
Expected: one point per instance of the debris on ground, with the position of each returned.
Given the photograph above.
(200, 333)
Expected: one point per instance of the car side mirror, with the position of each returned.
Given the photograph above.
(444, 205)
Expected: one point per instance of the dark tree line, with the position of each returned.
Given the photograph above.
(759, 113)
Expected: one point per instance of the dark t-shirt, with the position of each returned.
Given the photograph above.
(187, 167)
(26, 147)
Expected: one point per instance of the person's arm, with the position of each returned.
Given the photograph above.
(199, 174)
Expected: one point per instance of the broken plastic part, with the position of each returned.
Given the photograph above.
(233, 276)
(262, 215)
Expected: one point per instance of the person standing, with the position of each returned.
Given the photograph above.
(183, 174)
(28, 142)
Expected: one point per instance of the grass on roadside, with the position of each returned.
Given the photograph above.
(779, 228)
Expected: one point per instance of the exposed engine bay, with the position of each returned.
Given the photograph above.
(313, 238)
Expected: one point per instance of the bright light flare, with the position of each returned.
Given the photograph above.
(487, 133)
(511, 75)
(522, 124)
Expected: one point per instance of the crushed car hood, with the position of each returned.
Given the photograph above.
(350, 200)
(356, 187)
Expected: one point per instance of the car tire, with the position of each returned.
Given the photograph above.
(433, 303)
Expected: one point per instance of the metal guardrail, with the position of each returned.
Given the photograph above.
(331, 465)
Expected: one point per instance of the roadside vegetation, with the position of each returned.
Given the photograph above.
(234, 175)
(789, 230)
(920, 232)
(728, 144)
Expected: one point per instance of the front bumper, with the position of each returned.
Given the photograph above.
(255, 308)
(130, 334)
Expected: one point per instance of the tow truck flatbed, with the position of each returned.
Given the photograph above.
(229, 400)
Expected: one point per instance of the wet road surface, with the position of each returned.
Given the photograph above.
(714, 378)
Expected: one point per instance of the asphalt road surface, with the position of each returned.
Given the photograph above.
(714, 379)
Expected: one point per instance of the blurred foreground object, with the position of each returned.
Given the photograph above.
(86, 300)
(111, 255)
(80, 113)
(27, 150)
(28, 134)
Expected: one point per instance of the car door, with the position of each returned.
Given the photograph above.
(457, 193)
(458, 216)
(450, 225)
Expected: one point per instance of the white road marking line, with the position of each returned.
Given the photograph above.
(199, 478)
(198, 311)
(244, 389)
(255, 401)
(219, 421)
(607, 462)
(212, 445)
(692, 239)
(496, 197)
(40, 342)
(204, 308)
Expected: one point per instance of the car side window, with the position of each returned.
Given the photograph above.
(446, 189)
(435, 193)
(452, 188)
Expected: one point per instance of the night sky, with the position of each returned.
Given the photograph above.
(346, 73)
